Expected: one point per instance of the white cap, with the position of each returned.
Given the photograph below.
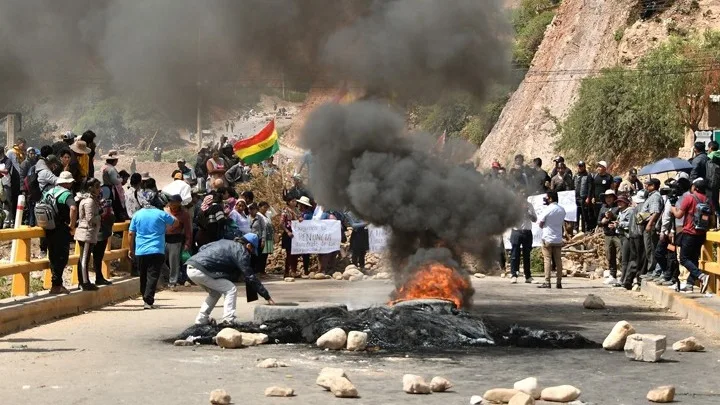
(610, 192)
(602, 163)
(699, 179)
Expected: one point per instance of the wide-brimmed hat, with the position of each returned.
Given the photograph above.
(145, 175)
(304, 200)
(623, 199)
(111, 155)
(80, 147)
(65, 178)
(609, 192)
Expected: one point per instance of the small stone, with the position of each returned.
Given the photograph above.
(279, 392)
(688, 345)
(341, 387)
(311, 275)
(305, 276)
(352, 271)
(319, 276)
(529, 386)
(649, 348)
(479, 275)
(561, 393)
(619, 333)
(521, 398)
(220, 397)
(334, 339)
(414, 384)
(289, 279)
(253, 339)
(383, 275)
(476, 399)
(503, 275)
(183, 342)
(440, 384)
(229, 338)
(592, 301)
(326, 374)
(502, 395)
(270, 363)
(357, 341)
(337, 275)
(350, 267)
(662, 394)
(355, 278)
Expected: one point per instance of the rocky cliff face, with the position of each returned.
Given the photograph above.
(579, 41)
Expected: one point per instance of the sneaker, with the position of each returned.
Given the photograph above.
(545, 285)
(59, 289)
(88, 287)
(102, 281)
(513, 280)
(704, 283)
(610, 280)
(529, 280)
(148, 306)
(686, 288)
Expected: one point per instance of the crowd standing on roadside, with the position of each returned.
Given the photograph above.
(652, 227)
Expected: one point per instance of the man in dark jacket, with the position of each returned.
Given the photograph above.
(583, 188)
(607, 219)
(602, 181)
(699, 162)
(216, 266)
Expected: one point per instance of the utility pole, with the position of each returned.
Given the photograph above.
(10, 126)
(199, 120)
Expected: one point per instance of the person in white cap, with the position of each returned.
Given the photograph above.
(59, 238)
(601, 182)
(607, 219)
(188, 173)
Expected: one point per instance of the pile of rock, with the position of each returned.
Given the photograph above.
(637, 346)
(526, 392)
(338, 339)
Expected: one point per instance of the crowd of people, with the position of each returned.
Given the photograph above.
(650, 228)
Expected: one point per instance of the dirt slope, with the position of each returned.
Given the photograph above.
(580, 39)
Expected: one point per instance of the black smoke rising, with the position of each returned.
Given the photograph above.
(364, 160)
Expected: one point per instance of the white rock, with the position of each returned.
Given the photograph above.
(334, 339)
(649, 348)
(220, 397)
(616, 339)
(337, 275)
(183, 342)
(289, 279)
(501, 395)
(350, 267)
(592, 301)
(662, 394)
(270, 363)
(476, 399)
(229, 338)
(253, 339)
(341, 387)
(529, 386)
(688, 345)
(355, 278)
(383, 276)
(357, 341)
(319, 276)
(521, 398)
(479, 275)
(561, 393)
(440, 384)
(311, 275)
(326, 374)
(414, 384)
(279, 392)
(351, 272)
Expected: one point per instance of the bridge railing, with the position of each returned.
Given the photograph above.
(710, 260)
(23, 262)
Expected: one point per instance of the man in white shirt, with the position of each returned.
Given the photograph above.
(552, 222)
(179, 187)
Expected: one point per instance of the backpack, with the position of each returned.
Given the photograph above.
(46, 210)
(703, 213)
(32, 185)
(712, 174)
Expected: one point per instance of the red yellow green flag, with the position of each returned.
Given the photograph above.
(258, 147)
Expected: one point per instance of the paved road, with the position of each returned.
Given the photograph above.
(116, 355)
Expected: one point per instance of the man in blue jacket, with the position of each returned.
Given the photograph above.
(217, 266)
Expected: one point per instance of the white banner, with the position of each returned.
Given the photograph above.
(316, 236)
(566, 200)
(378, 238)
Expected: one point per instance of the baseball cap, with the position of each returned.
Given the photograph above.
(602, 163)
(181, 160)
(609, 192)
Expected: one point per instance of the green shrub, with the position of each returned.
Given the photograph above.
(529, 38)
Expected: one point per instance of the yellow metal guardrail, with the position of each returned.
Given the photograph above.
(710, 260)
(23, 264)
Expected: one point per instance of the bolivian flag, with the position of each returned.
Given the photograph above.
(258, 147)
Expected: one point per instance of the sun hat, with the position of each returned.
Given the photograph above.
(145, 175)
(65, 178)
(111, 155)
(623, 199)
(80, 147)
(304, 200)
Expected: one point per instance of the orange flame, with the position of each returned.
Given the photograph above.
(434, 281)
